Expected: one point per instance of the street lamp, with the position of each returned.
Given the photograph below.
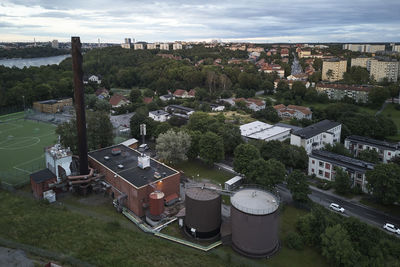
(23, 100)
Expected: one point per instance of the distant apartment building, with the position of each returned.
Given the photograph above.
(338, 91)
(323, 165)
(151, 46)
(396, 48)
(258, 130)
(138, 46)
(127, 43)
(164, 46)
(255, 49)
(176, 46)
(292, 111)
(363, 62)
(337, 66)
(386, 150)
(304, 53)
(317, 135)
(54, 44)
(364, 48)
(381, 68)
(284, 52)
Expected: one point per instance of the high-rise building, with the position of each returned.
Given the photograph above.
(333, 69)
(361, 62)
(164, 46)
(151, 46)
(54, 44)
(176, 46)
(138, 46)
(365, 48)
(384, 68)
(396, 48)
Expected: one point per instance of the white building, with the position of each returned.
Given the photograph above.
(177, 46)
(215, 107)
(164, 46)
(56, 157)
(54, 44)
(386, 150)
(322, 164)
(263, 131)
(317, 135)
(95, 79)
(151, 46)
(138, 46)
(159, 115)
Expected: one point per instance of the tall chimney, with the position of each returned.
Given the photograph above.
(79, 104)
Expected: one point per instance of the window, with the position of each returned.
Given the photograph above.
(320, 172)
(321, 164)
(360, 146)
(327, 166)
(313, 162)
(312, 170)
(327, 175)
(389, 153)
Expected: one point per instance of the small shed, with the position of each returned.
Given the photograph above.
(131, 143)
(40, 182)
(231, 184)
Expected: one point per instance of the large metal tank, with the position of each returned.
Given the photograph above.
(156, 203)
(203, 210)
(254, 219)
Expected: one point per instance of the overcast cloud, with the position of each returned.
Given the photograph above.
(253, 21)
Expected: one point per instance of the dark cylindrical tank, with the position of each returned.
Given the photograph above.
(254, 219)
(156, 203)
(203, 211)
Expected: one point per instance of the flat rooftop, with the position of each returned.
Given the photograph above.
(260, 130)
(373, 142)
(340, 160)
(130, 171)
(255, 201)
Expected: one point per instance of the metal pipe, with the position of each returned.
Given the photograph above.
(79, 105)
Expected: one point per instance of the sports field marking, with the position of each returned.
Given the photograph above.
(17, 167)
(13, 146)
(16, 126)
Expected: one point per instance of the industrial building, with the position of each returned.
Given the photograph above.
(258, 130)
(255, 221)
(52, 105)
(385, 150)
(133, 176)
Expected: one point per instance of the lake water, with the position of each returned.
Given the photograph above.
(35, 62)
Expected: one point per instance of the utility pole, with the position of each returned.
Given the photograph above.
(143, 132)
(79, 104)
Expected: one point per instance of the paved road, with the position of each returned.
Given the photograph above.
(355, 209)
(325, 198)
(296, 67)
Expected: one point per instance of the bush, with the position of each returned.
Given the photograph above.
(294, 241)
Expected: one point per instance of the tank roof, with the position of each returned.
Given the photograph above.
(255, 201)
(200, 192)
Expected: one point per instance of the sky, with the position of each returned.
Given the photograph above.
(201, 20)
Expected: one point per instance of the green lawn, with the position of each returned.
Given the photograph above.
(82, 236)
(22, 145)
(196, 169)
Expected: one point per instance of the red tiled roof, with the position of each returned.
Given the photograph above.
(147, 100)
(100, 91)
(115, 99)
(192, 92)
(279, 106)
(179, 92)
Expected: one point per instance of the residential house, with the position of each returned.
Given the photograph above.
(252, 103)
(159, 115)
(255, 49)
(147, 100)
(167, 97)
(180, 93)
(118, 100)
(386, 150)
(297, 77)
(92, 78)
(258, 130)
(273, 68)
(338, 91)
(102, 93)
(292, 111)
(179, 111)
(215, 107)
(317, 135)
(284, 52)
(322, 164)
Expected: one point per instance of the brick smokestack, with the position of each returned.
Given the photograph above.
(79, 105)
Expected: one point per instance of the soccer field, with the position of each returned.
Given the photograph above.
(22, 145)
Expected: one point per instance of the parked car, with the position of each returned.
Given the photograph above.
(336, 207)
(391, 228)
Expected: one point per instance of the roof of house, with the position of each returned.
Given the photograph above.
(159, 112)
(101, 91)
(260, 130)
(316, 128)
(115, 99)
(179, 92)
(292, 109)
(373, 142)
(129, 159)
(180, 107)
(192, 92)
(340, 160)
(42, 176)
(148, 100)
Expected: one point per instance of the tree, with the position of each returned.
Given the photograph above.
(297, 184)
(140, 118)
(231, 135)
(194, 149)
(68, 135)
(384, 182)
(135, 96)
(369, 155)
(173, 146)
(338, 148)
(377, 96)
(211, 148)
(268, 113)
(329, 74)
(200, 121)
(243, 155)
(267, 173)
(299, 89)
(342, 182)
(337, 247)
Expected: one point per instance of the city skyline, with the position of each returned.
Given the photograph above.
(256, 21)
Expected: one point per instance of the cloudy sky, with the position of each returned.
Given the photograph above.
(170, 20)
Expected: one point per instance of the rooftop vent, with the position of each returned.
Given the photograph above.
(106, 157)
(120, 166)
(116, 151)
(143, 161)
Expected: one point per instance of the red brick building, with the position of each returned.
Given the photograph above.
(134, 176)
(40, 182)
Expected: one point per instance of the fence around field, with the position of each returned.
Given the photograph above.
(54, 118)
(17, 178)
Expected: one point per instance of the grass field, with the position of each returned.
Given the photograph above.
(394, 114)
(21, 147)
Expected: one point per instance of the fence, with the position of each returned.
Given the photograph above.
(54, 118)
(18, 177)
